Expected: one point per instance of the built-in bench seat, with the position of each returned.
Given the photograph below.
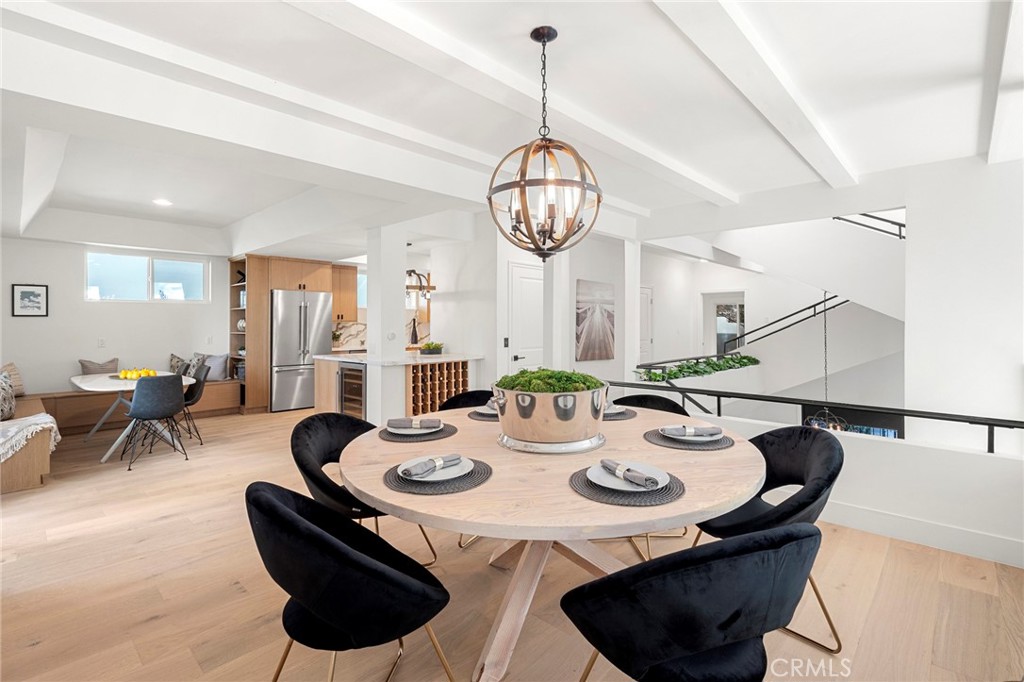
(26, 467)
(78, 411)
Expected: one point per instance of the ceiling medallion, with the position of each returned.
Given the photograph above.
(553, 198)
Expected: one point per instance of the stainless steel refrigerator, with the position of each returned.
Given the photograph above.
(300, 327)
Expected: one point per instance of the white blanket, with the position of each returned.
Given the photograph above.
(14, 433)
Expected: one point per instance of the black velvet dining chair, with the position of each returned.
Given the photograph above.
(652, 402)
(319, 440)
(347, 587)
(793, 455)
(477, 398)
(697, 614)
(155, 402)
(193, 394)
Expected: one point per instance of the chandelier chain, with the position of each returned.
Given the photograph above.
(544, 130)
(824, 319)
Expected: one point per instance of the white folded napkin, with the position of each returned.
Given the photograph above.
(686, 431)
(410, 423)
(431, 465)
(632, 475)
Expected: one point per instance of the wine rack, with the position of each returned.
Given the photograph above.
(428, 385)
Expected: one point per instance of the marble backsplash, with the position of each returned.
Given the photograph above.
(353, 334)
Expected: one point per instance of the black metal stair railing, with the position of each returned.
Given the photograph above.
(747, 338)
(900, 227)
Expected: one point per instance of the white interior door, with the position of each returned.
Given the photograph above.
(646, 324)
(526, 311)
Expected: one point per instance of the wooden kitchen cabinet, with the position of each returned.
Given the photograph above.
(294, 274)
(344, 308)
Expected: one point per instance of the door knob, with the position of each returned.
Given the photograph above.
(517, 358)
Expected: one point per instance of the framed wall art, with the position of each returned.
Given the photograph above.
(30, 300)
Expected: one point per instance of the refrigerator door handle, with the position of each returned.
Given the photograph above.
(278, 370)
(302, 343)
(305, 325)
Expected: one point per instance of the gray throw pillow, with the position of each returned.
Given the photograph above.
(218, 367)
(90, 367)
(176, 363)
(6, 396)
(16, 381)
(197, 361)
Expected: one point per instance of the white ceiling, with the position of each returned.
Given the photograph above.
(402, 108)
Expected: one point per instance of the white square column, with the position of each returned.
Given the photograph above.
(385, 322)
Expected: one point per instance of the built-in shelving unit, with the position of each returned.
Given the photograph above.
(428, 385)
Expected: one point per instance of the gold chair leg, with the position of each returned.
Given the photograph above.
(376, 525)
(671, 535)
(394, 666)
(464, 543)
(696, 539)
(589, 666)
(440, 652)
(640, 552)
(284, 657)
(330, 670)
(433, 551)
(828, 619)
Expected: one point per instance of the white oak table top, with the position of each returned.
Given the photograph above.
(105, 383)
(528, 496)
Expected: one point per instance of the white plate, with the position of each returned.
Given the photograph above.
(463, 467)
(413, 432)
(486, 409)
(599, 476)
(611, 408)
(690, 439)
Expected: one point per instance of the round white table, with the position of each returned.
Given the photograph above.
(528, 501)
(110, 383)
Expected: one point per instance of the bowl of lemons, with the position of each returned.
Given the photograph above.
(136, 373)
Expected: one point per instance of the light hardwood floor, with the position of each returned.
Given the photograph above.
(152, 575)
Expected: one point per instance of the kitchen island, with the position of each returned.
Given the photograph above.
(378, 388)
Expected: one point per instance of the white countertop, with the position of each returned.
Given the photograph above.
(411, 358)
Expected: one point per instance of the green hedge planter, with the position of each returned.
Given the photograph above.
(698, 368)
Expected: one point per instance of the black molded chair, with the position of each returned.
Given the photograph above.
(193, 394)
(467, 399)
(652, 402)
(155, 403)
(347, 587)
(697, 614)
(318, 440)
(793, 455)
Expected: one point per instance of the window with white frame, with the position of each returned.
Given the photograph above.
(130, 277)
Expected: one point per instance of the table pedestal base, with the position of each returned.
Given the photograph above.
(533, 555)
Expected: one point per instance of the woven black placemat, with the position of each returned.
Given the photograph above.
(480, 473)
(446, 430)
(654, 436)
(620, 416)
(672, 491)
(482, 416)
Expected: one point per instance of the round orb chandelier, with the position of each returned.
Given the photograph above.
(552, 199)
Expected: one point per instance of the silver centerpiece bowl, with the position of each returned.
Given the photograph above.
(551, 423)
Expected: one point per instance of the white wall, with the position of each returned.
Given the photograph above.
(965, 298)
(673, 315)
(828, 254)
(942, 497)
(47, 349)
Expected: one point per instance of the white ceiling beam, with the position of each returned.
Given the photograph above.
(44, 156)
(393, 28)
(1003, 94)
(726, 36)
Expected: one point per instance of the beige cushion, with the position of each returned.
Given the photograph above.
(6, 397)
(15, 375)
(90, 367)
(177, 362)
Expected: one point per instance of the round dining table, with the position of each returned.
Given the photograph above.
(113, 383)
(528, 501)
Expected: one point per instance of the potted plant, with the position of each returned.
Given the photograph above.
(431, 348)
(550, 411)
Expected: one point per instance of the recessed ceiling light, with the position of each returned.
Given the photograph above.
(162, 202)
(703, 260)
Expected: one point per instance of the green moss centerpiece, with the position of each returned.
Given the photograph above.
(550, 411)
